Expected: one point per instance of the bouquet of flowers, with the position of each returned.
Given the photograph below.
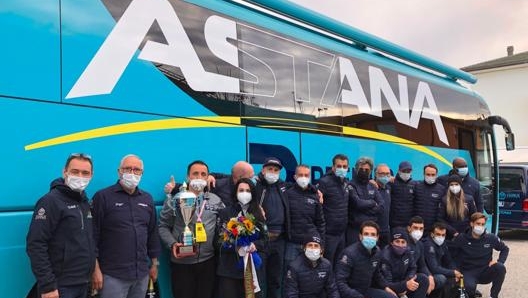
(239, 233)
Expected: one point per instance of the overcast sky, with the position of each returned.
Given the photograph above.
(456, 32)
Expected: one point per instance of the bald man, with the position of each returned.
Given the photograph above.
(225, 185)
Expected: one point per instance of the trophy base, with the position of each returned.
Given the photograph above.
(186, 251)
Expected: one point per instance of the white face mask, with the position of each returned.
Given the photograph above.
(198, 184)
(454, 189)
(405, 176)
(439, 240)
(416, 235)
(76, 183)
(430, 180)
(244, 197)
(479, 230)
(303, 181)
(130, 181)
(271, 177)
(313, 254)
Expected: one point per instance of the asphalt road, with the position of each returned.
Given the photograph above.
(516, 281)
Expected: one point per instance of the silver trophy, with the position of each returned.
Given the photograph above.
(185, 202)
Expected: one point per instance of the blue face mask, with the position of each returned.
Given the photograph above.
(369, 242)
(463, 171)
(383, 179)
(341, 172)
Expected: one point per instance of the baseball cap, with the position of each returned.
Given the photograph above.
(272, 161)
(405, 165)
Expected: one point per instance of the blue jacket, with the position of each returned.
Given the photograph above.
(456, 225)
(304, 280)
(417, 252)
(224, 188)
(427, 199)
(335, 203)
(397, 270)
(402, 202)
(438, 258)
(357, 270)
(59, 242)
(475, 254)
(385, 193)
(269, 196)
(365, 203)
(125, 231)
(306, 213)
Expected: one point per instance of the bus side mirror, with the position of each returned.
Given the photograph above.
(510, 141)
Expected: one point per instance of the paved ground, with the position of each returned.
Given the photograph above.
(516, 281)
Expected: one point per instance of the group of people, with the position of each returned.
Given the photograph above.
(374, 235)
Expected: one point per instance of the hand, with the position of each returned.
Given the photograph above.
(431, 285)
(97, 278)
(458, 275)
(320, 195)
(390, 291)
(211, 182)
(252, 248)
(411, 284)
(170, 185)
(52, 294)
(491, 263)
(373, 182)
(153, 272)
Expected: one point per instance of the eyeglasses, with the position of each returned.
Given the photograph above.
(80, 155)
(129, 170)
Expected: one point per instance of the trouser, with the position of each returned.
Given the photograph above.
(494, 274)
(273, 264)
(352, 235)
(443, 286)
(193, 280)
(423, 280)
(293, 250)
(79, 291)
(121, 288)
(232, 288)
(334, 245)
(377, 293)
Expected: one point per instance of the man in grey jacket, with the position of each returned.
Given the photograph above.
(193, 275)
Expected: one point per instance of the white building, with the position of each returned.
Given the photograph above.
(503, 83)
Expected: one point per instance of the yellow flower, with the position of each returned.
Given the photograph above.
(249, 225)
(231, 224)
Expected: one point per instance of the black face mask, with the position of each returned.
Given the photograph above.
(363, 175)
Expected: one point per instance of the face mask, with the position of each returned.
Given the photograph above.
(369, 242)
(405, 176)
(479, 230)
(439, 240)
(303, 181)
(363, 175)
(463, 171)
(244, 197)
(454, 189)
(383, 180)
(76, 183)
(271, 177)
(398, 250)
(341, 172)
(416, 235)
(198, 184)
(129, 180)
(430, 180)
(313, 254)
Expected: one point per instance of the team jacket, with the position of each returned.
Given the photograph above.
(304, 280)
(402, 202)
(365, 203)
(397, 270)
(60, 243)
(427, 198)
(438, 258)
(306, 213)
(358, 270)
(335, 204)
(475, 254)
(277, 215)
(456, 225)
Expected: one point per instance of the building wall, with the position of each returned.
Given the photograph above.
(506, 92)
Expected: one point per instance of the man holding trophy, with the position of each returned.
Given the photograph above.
(187, 227)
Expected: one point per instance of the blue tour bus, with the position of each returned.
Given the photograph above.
(174, 81)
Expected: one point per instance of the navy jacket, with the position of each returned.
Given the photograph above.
(427, 199)
(397, 270)
(385, 193)
(417, 252)
(357, 270)
(470, 186)
(304, 280)
(274, 212)
(335, 203)
(60, 243)
(475, 254)
(365, 203)
(125, 231)
(456, 225)
(438, 258)
(402, 202)
(224, 188)
(306, 213)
